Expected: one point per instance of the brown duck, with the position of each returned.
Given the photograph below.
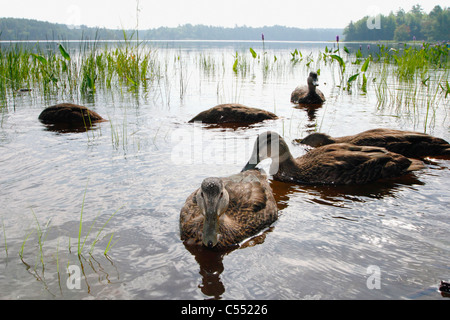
(233, 113)
(408, 143)
(225, 211)
(70, 114)
(338, 163)
(308, 94)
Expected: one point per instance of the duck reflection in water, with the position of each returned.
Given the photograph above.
(311, 111)
(211, 263)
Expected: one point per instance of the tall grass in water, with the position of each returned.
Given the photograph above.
(64, 72)
(413, 79)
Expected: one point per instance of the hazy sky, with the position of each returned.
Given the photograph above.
(228, 13)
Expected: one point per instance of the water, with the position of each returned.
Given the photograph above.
(386, 240)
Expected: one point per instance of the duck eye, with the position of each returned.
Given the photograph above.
(221, 194)
(201, 194)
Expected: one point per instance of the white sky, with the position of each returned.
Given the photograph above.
(228, 13)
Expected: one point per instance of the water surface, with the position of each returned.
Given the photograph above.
(147, 159)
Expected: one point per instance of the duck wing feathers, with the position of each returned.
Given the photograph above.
(301, 94)
(342, 163)
(251, 209)
(233, 113)
(69, 113)
(408, 143)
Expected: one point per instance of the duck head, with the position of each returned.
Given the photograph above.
(313, 81)
(212, 199)
(269, 145)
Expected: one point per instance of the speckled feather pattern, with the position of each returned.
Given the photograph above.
(252, 208)
(407, 143)
(342, 163)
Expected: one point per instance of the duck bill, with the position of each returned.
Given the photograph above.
(210, 230)
(315, 83)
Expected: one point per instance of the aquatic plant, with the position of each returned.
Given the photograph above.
(60, 72)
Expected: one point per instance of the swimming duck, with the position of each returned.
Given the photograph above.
(408, 143)
(338, 163)
(69, 113)
(226, 211)
(308, 94)
(233, 113)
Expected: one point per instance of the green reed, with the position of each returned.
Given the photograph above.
(39, 245)
(70, 73)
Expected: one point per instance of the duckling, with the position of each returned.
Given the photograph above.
(408, 143)
(233, 113)
(308, 94)
(225, 211)
(338, 163)
(69, 113)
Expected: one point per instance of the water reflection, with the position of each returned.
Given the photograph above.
(233, 126)
(81, 275)
(211, 264)
(211, 267)
(338, 195)
(311, 110)
(70, 128)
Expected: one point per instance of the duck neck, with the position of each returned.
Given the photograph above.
(311, 88)
(282, 163)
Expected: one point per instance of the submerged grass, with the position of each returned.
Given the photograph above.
(39, 245)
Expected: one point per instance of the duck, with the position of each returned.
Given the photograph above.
(337, 163)
(308, 94)
(233, 113)
(69, 114)
(223, 212)
(408, 143)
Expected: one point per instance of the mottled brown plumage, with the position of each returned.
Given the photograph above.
(250, 208)
(308, 94)
(69, 113)
(338, 163)
(408, 143)
(233, 113)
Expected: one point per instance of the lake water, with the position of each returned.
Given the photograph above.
(386, 240)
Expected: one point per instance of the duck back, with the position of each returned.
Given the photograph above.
(68, 113)
(342, 163)
(233, 113)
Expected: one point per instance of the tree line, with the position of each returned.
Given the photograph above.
(402, 26)
(26, 29)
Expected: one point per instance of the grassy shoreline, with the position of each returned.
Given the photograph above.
(414, 74)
